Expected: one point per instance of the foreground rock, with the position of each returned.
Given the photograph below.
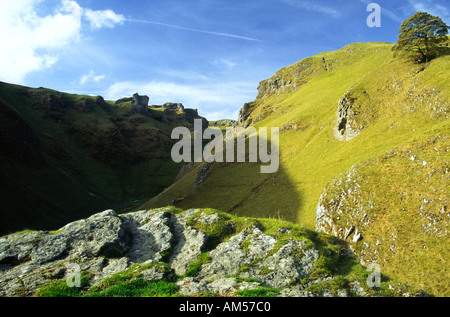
(199, 251)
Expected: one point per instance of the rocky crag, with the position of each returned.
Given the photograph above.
(198, 251)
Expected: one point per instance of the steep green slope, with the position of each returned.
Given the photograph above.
(396, 101)
(393, 210)
(64, 156)
(337, 110)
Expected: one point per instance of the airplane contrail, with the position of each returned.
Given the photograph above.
(195, 30)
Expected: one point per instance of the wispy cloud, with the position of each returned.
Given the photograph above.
(431, 7)
(315, 6)
(103, 18)
(235, 36)
(91, 77)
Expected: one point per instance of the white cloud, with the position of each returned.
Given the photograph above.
(91, 77)
(103, 18)
(31, 42)
(207, 98)
(26, 37)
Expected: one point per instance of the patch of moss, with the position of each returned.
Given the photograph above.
(259, 292)
(61, 288)
(195, 267)
(138, 288)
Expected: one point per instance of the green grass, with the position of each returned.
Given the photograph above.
(399, 104)
(60, 288)
(128, 283)
(195, 267)
(310, 156)
(138, 288)
(259, 292)
(404, 201)
(134, 288)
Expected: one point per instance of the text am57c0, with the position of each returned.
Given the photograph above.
(246, 306)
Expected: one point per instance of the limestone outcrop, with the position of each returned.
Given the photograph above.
(140, 104)
(347, 127)
(199, 251)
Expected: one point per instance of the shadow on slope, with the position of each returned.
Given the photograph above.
(236, 188)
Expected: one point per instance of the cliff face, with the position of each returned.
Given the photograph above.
(195, 252)
(289, 79)
(286, 81)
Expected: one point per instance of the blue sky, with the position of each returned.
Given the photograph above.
(207, 54)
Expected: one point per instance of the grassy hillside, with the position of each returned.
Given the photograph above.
(355, 109)
(64, 156)
(399, 203)
(393, 102)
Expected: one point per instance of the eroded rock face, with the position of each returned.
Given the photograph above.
(140, 104)
(230, 256)
(188, 243)
(245, 111)
(151, 235)
(289, 79)
(346, 127)
(202, 174)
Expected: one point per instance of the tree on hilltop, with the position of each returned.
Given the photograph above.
(422, 33)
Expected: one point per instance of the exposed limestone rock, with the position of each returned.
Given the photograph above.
(172, 107)
(151, 236)
(245, 111)
(290, 264)
(222, 287)
(140, 104)
(99, 101)
(346, 127)
(224, 123)
(189, 244)
(289, 79)
(229, 256)
(178, 113)
(123, 100)
(155, 245)
(202, 174)
(17, 248)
